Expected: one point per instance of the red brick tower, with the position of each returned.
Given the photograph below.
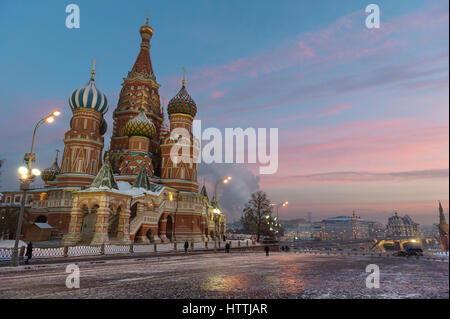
(82, 157)
(180, 171)
(443, 229)
(139, 90)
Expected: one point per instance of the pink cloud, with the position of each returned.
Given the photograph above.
(333, 110)
(216, 94)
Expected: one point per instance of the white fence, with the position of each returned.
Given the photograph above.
(78, 251)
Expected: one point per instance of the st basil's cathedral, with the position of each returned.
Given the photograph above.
(132, 192)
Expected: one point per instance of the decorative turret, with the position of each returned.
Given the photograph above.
(142, 179)
(105, 177)
(203, 190)
(165, 128)
(49, 174)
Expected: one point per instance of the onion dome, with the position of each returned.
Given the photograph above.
(182, 103)
(140, 126)
(89, 97)
(49, 174)
(146, 29)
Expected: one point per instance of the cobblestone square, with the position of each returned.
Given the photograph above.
(235, 275)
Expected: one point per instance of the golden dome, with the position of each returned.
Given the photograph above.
(146, 28)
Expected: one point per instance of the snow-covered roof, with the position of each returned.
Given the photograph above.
(126, 188)
(43, 225)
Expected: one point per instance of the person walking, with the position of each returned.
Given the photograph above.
(227, 248)
(186, 246)
(266, 249)
(29, 252)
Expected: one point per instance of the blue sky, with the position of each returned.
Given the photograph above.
(372, 104)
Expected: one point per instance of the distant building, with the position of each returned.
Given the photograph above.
(345, 228)
(309, 218)
(403, 227)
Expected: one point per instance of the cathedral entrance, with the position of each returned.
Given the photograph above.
(88, 224)
(169, 228)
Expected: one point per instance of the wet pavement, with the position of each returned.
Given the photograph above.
(235, 275)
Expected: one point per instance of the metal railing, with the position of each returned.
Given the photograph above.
(106, 249)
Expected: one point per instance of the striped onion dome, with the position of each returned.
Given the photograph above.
(140, 126)
(182, 103)
(89, 97)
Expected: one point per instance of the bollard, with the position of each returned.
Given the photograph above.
(219, 244)
(206, 245)
(192, 246)
(175, 246)
(247, 242)
(239, 243)
(102, 249)
(154, 247)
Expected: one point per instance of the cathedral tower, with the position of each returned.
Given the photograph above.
(83, 143)
(139, 91)
(443, 229)
(180, 172)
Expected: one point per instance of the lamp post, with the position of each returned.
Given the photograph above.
(215, 203)
(26, 176)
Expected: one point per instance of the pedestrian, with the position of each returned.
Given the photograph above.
(227, 248)
(186, 246)
(29, 252)
(282, 248)
(267, 250)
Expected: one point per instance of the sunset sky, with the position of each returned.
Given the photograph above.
(363, 114)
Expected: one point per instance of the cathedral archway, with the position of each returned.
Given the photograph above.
(88, 222)
(169, 228)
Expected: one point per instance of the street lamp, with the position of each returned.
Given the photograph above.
(215, 203)
(26, 176)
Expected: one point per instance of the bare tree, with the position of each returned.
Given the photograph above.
(257, 214)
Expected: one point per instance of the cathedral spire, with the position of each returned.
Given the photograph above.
(143, 64)
(142, 179)
(105, 177)
(442, 220)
